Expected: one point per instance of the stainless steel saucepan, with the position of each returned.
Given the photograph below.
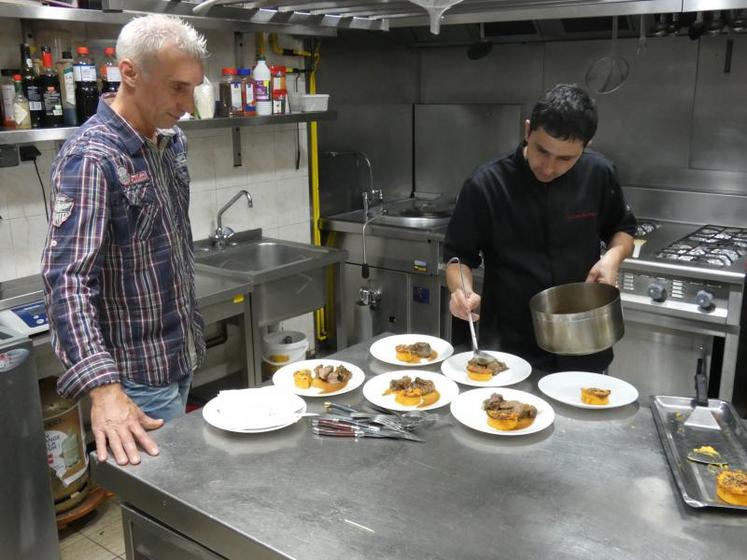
(577, 319)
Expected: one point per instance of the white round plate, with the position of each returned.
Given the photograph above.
(467, 409)
(253, 411)
(284, 377)
(374, 389)
(566, 388)
(518, 370)
(384, 349)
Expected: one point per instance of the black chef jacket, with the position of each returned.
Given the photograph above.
(532, 236)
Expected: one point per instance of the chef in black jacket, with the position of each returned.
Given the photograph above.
(536, 218)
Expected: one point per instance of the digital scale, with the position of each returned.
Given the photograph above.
(28, 319)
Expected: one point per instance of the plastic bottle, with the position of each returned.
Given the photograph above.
(67, 88)
(31, 86)
(21, 110)
(261, 78)
(8, 93)
(247, 92)
(86, 92)
(110, 76)
(278, 78)
(49, 84)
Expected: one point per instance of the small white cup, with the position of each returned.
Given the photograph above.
(204, 96)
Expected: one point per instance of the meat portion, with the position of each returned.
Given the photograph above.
(400, 384)
(422, 349)
(489, 365)
(498, 407)
(406, 383)
(419, 349)
(331, 374)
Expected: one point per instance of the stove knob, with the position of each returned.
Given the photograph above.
(704, 299)
(657, 291)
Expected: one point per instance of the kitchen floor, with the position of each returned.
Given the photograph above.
(97, 536)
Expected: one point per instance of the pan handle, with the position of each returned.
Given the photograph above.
(701, 384)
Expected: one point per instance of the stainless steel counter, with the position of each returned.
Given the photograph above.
(596, 483)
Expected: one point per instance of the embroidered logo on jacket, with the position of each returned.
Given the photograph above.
(63, 207)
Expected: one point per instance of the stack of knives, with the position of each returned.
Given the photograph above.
(345, 421)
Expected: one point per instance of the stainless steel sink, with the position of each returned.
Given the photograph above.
(254, 257)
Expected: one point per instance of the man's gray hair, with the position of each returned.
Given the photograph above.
(142, 38)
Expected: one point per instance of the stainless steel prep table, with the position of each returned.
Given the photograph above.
(596, 483)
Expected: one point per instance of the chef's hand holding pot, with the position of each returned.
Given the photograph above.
(118, 421)
(605, 269)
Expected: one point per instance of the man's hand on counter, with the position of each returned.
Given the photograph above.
(120, 422)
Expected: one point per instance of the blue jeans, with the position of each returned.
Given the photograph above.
(167, 402)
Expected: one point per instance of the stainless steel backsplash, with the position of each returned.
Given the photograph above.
(677, 124)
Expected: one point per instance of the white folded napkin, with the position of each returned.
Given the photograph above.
(256, 409)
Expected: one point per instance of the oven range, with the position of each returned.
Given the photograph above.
(681, 291)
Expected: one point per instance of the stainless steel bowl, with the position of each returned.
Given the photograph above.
(577, 319)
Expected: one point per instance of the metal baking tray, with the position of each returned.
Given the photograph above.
(696, 481)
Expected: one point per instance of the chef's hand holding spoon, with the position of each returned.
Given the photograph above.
(463, 300)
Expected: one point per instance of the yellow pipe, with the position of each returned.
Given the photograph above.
(277, 49)
(320, 314)
(259, 39)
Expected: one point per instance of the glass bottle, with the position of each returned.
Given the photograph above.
(21, 110)
(49, 84)
(110, 76)
(67, 88)
(86, 92)
(31, 86)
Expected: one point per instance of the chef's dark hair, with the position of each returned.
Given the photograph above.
(566, 112)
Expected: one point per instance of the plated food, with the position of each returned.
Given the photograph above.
(584, 389)
(484, 368)
(731, 487)
(319, 377)
(491, 369)
(328, 378)
(414, 353)
(508, 415)
(416, 392)
(404, 390)
(411, 350)
(595, 396)
(507, 412)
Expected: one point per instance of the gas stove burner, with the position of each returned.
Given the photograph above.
(710, 245)
(645, 227)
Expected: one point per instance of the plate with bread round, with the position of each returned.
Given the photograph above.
(584, 389)
(502, 411)
(410, 390)
(411, 350)
(319, 378)
(491, 369)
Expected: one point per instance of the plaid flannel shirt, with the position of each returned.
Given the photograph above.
(118, 263)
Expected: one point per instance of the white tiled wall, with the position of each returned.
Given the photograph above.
(279, 190)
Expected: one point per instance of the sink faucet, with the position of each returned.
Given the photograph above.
(223, 233)
(372, 193)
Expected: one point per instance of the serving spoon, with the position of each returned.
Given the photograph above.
(477, 355)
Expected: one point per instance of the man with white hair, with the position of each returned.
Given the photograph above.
(118, 263)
